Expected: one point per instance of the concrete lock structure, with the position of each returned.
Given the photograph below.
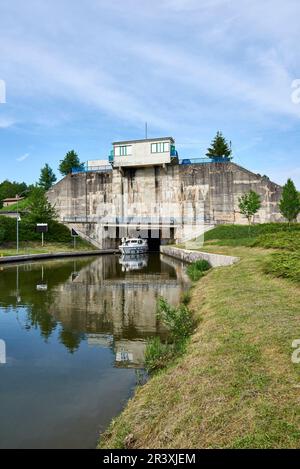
(144, 189)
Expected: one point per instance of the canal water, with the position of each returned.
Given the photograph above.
(72, 340)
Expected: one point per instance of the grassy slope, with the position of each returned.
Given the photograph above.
(236, 385)
(33, 247)
(22, 205)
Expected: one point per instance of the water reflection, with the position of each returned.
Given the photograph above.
(129, 262)
(75, 332)
(108, 301)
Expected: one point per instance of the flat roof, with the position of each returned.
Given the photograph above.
(12, 199)
(158, 139)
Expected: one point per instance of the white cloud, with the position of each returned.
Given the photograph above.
(6, 122)
(23, 157)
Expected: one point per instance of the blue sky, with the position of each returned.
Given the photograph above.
(80, 75)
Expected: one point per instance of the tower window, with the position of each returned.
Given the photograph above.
(160, 147)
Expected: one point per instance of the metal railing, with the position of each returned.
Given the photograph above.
(90, 169)
(204, 160)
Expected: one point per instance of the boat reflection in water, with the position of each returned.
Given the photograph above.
(133, 262)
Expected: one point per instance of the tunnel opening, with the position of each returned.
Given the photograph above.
(154, 237)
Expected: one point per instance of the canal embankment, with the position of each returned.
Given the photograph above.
(54, 255)
(189, 256)
(235, 386)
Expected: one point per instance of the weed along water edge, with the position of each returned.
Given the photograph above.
(75, 332)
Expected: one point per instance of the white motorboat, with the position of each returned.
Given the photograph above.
(133, 246)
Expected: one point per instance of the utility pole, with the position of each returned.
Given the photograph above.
(146, 130)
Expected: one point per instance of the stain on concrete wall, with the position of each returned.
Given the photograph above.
(188, 193)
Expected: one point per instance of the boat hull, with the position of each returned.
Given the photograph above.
(133, 249)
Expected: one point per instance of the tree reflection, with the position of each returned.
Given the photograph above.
(71, 340)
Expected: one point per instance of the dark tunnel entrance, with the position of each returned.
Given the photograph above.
(155, 237)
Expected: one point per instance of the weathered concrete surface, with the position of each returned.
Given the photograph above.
(56, 255)
(197, 193)
(185, 255)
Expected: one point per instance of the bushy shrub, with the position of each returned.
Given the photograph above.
(186, 297)
(197, 269)
(178, 319)
(287, 240)
(180, 323)
(284, 265)
(157, 354)
(57, 232)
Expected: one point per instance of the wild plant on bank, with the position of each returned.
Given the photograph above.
(197, 269)
(180, 323)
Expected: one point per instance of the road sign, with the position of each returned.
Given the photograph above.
(74, 233)
(41, 227)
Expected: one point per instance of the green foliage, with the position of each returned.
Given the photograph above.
(2, 234)
(71, 160)
(197, 269)
(40, 210)
(47, 178)
(178, 320)
(287, 240)
(289, 204)
(57, 232)
(285, 265)
(219, 147)
(156, 355)
(180, 323)
(186, 297)
(249, 204)
(236, 232)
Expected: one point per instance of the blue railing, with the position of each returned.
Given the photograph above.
(204, 160)
(87, 169)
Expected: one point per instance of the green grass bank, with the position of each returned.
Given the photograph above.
(235, 385)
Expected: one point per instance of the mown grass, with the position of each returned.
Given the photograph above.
(235, 386)
(244, 232)
(34, 247)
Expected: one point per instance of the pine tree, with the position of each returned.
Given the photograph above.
(249, 204)
(219, 147)
(289, 204)
(40, 210)
(47, 178)
(70, 161)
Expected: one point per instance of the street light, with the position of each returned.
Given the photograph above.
(19, 218)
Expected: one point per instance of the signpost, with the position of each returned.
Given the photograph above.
(74, 235)
(42, 228)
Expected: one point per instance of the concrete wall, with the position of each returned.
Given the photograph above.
(185, 255)
(191, 194)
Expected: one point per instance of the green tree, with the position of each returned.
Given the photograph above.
(40, 210)
(47, 177)
(219, 147)
(289, 204)
(71, 160)
(249, 204)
